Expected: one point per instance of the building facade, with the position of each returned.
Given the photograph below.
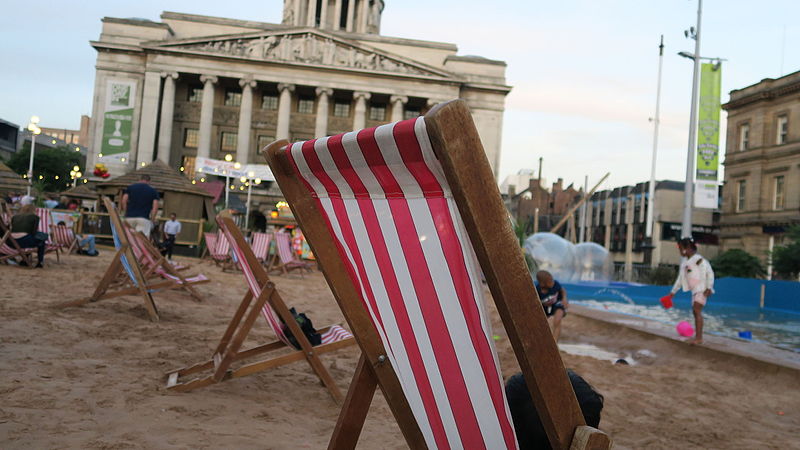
(617, 218)
(761, 198)
(76, 137)
(192, 85)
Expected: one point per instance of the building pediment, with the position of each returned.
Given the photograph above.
(305, 46)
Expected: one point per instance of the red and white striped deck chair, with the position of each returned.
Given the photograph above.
(260, 246)
(10, 250)
(403, 218)
(221, 252)
(211, 243)
(261, 299)
(64, 237)
(285, 259)
(45, 222)
(156, 265)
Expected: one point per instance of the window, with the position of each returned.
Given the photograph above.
(233, 98)
(305, 106)
(190, 137)
(783, 130)
(188, 165)
(269, 102)
(377, 112)
(228, 142)
(778, 197)
(195, 94)
(741, 192)
(263, 141)
(411, 113)
(341, 109)
(744, 137)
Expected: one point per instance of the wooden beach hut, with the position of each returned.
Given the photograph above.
(11, 181)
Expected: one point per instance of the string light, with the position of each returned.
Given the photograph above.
(202, 180)
(183, 168)
(228, 157)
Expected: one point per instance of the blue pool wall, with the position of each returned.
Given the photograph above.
(779, 296)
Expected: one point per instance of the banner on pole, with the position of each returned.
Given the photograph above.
(118, 118)
(706, 195)
(708, 123)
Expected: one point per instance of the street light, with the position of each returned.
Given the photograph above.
(34, 129)
(688, 188)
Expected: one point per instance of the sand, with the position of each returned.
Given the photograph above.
(93, 377)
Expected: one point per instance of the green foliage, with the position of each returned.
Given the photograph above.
(737, 263)
(786, 258)
(661, 276)
(48, 163)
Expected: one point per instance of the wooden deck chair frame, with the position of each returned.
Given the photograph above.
(45, 226)
(457, 146)
(296, 263)
(124, 276)
(12, 249)
(157, 260)
(62, 231)
(229, 350)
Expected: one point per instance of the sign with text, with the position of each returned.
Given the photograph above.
(708, 123)
(228, 169)
(118, 118)
(706, 195)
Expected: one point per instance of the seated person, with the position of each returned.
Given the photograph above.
(24, 230)
(554, 300)
(528, 425)
(86, 240)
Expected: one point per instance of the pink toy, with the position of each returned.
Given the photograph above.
(685, 329)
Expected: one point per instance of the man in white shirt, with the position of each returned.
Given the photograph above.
(171, 230)
(695, 274)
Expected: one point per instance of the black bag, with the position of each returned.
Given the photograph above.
(308, 329)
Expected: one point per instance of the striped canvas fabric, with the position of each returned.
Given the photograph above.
(261, 243)
(391, 214)
(63, 235)
(283, 244)
(211, 242)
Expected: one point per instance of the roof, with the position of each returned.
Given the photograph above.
(162, 177)
(81, 191)
(10, 180)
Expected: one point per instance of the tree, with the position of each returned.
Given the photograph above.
(737, 263)
(48, 163)
(786, 258)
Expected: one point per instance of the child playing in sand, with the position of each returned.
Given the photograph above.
(696, 275)
(554, 300)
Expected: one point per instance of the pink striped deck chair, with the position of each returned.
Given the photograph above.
(11, 251)
(211, 243)
(261, 299)
(45, 222)
(260, 246)
(64, 237)
(220, 252)
(403, 218)
(155, 265)
(285, 259)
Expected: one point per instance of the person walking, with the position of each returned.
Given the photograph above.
(140, 204)
(172, 228)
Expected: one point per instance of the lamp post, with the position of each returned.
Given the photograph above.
(75, 173)
(34, 129)
(688, 189)
(249, 180)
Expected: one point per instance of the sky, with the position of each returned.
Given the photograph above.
(583, 72)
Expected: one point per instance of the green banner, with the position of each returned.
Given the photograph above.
(708, 122)
(118, 117)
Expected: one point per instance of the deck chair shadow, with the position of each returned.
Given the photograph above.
(403, 218)
(286, 260)
(124, 276)
(11, 251)
(262, 298)
(155, 265)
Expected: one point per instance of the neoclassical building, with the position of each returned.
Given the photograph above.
(193, 85)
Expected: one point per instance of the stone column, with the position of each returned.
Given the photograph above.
(284, 110)
(363, 16)
(312, 13)
(147, 122)
(397, 102)
(245, 120)
(360, 113)
(321, 126)
(323, 15)
(337, 15)
(206, 116)
(167, 116)
(351, 8)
